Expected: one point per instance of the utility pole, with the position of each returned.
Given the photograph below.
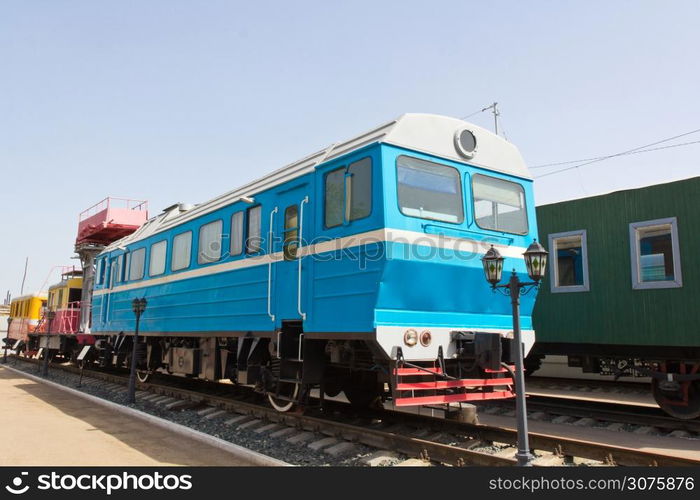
(496, 114)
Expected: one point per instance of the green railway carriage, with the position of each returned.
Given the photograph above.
(622, 295)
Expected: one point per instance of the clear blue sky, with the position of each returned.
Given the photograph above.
(172, 100)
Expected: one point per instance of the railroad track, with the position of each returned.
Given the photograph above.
(589, 399)
(637, 416)
(438, 440)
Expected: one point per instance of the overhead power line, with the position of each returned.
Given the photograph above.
(623, 153)
(603, 157)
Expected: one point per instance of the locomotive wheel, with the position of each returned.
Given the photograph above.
(532, 364)
(143, 375)
(332, 388)
(362, 390)
(288, 390)
(671, 406)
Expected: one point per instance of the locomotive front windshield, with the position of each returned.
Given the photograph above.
(429, 190)
(499, 205)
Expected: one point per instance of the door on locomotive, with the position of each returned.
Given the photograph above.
(289, 231)
(288, 224)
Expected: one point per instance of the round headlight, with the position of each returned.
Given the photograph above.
(425, 338)
(410, 338)
(465, 143)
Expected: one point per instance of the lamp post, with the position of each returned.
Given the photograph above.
(535, 261)
(51, 315)
(7, 341)
(138, 306)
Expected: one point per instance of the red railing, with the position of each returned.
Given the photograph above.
(110, 202)
(67, 320)
(111, 219)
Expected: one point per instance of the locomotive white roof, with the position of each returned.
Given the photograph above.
(427, 133)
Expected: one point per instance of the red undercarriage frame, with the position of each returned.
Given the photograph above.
(440, 390)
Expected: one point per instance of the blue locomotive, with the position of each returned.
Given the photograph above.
(355, 269)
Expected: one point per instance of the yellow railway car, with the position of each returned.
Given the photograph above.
(25, 314)
(64, 300)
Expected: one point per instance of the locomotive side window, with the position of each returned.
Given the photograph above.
(499, 205)
(118, 269)
(210, 242)
(291, 232)
(237, 233)
(655, 255)
(429, 190)
(335, 197)
(348, 193)
(569, 268)
(358, 183)
(182, 249)
(136, 267)
(156, 265)
(100, 271)
(254, 241)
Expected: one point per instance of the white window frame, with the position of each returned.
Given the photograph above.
(137, 266)
(635, 253)
(154, 258)
(203, 245)
(554, 265)
(237, 232)
(186, 253)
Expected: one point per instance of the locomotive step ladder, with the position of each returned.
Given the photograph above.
(428, 384)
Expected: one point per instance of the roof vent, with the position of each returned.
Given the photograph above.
(184, 207)
(171, 208)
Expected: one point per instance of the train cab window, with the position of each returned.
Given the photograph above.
(118, 269)
(237, 233)
(335, 197)
(156, 265)
(100, 271)
(358, 188)
(568, 271)
(137, 264)
(429, 190)
(210, 242)
(499, 205)
(74, 295)
(291, 232)
(182, 251)
(348, 193)
(254, 241)
(59, 303)
(655, 255)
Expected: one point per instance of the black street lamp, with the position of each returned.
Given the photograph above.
(138, 306)
(7, 341)
(51, 315)
(535, 262)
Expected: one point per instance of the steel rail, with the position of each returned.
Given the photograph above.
(448, 454)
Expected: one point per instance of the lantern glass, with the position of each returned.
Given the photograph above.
(493, 266)
(535, 261)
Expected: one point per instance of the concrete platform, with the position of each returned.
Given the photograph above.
(53, 427)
